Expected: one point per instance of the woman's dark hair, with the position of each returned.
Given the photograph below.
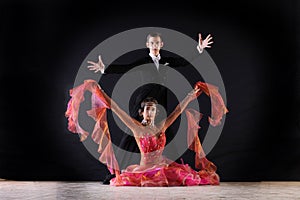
(144, 102)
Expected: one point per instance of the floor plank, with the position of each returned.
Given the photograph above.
(95, 190)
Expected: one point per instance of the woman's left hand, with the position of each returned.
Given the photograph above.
(194, 93)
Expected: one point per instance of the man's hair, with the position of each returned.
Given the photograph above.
(154, 34)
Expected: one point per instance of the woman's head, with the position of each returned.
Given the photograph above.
(148, 109)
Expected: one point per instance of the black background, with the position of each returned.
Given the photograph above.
(256, 48)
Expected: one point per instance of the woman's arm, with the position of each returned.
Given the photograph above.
(130, 122)
(179, 109)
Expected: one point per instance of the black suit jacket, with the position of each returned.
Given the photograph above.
(145, 75)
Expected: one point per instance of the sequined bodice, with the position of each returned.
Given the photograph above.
(152, 147)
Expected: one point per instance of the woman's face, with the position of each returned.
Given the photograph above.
(149, 112)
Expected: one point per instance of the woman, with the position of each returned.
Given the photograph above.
(154, 169)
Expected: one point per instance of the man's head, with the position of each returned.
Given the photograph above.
(154, 43)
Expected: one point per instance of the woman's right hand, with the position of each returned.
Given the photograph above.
(99, 66)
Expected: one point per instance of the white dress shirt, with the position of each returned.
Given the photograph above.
(155, 59)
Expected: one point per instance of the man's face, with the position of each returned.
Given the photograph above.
(154, 44)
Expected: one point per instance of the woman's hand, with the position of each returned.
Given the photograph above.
(194, 94)
(99, 66)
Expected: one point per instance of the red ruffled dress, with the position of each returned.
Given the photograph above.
(157, 170)
(154, 168)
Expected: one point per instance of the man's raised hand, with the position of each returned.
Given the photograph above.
(96, 67)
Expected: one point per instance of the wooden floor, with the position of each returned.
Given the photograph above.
(95, 190)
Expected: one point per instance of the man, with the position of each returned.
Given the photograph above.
(154, 73)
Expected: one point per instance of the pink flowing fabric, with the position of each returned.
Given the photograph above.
(155, 169)
(193, 117)
(100, 133)
(207, 168)
(218, 107)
